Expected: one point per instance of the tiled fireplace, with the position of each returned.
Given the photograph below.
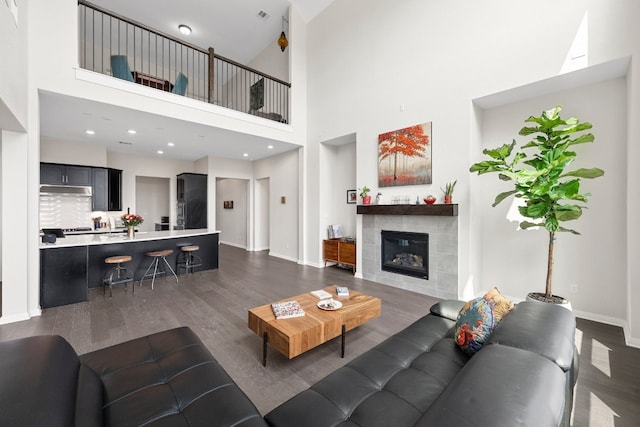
(441, 225)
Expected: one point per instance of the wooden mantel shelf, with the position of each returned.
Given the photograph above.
(433, 210)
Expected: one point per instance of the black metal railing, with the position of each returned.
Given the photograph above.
(114, 45)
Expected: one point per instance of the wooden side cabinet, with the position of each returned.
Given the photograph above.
(339, 251)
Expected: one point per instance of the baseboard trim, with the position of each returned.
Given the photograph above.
(613, 321)
(14, 318)
(285, 257)
(235, 245)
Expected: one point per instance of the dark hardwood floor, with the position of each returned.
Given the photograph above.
(215, 303)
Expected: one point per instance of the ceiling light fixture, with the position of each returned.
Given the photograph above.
(184, 29)
(245, 155)
(171, 144)
(270, 147)
(90, 132)
(160, 152)
(282, 40)
(131, 131)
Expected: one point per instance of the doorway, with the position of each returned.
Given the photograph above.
(152, 200)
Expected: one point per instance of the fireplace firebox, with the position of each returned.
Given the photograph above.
(405, 253)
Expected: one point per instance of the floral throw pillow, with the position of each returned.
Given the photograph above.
(478, 318)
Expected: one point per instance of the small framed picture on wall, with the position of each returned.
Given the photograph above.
(227, 204)
(352, 196)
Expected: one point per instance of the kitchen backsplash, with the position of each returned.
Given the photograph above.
(65, 211)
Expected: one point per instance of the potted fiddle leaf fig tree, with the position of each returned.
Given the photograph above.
(538, 170)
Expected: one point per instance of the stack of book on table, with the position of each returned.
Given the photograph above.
(287, 309)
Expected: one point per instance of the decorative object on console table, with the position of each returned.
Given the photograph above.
(131, 221)
(404, 156)
(543, 184)
(364, 193)
(448, 191)
(334, 231)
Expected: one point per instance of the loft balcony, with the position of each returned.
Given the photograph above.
(113, 45)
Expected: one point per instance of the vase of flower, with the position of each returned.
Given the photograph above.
(131, 221)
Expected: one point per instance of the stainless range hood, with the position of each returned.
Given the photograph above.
(52, 190)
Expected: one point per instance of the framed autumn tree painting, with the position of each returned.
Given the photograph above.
(404, 156)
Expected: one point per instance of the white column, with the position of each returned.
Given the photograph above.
(15, 220)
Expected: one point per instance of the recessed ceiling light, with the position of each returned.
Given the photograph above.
(245, 155)
(90, 132)
(125, 143)
(160, 152)
(270, 147)
(131, 131)
(184, 29)
(171, 144)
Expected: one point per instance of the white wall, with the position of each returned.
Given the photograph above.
(152, 200)
(233, 223)
(72, 153)
(335, 181)
(592, 261)
(632, 330)
(13, 68)
(427, 64)
(134, 166)
(273, 61)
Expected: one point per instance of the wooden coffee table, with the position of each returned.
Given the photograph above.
(294, 336)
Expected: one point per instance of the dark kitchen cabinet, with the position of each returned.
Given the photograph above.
(114, 189)
(63, 276)
(106, 189)
(59, 174)
(192, 200)
(100, 189)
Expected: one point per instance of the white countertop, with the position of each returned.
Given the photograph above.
(106, 238)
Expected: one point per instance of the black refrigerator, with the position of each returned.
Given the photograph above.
(192, 201)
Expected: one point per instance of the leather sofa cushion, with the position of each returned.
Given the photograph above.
(542, 328)
(38, 382)
(392, 384)
(448, 308)
(502, 386)
(168, 379)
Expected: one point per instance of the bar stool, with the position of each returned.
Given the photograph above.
(116, 275)
(157, 256)
(188, 258)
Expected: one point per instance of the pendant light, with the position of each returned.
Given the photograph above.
(282, 40)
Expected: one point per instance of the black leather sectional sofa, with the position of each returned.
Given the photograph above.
(524, 375)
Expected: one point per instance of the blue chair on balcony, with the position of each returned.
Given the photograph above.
(180, 87)
(120, 68)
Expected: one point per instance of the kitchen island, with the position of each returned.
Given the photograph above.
(75, 263)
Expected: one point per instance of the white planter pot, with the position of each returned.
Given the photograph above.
(561, 301)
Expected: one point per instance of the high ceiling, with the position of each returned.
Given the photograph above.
(232, 27)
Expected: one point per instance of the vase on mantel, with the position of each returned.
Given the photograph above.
(448, 199)
(131, 231)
